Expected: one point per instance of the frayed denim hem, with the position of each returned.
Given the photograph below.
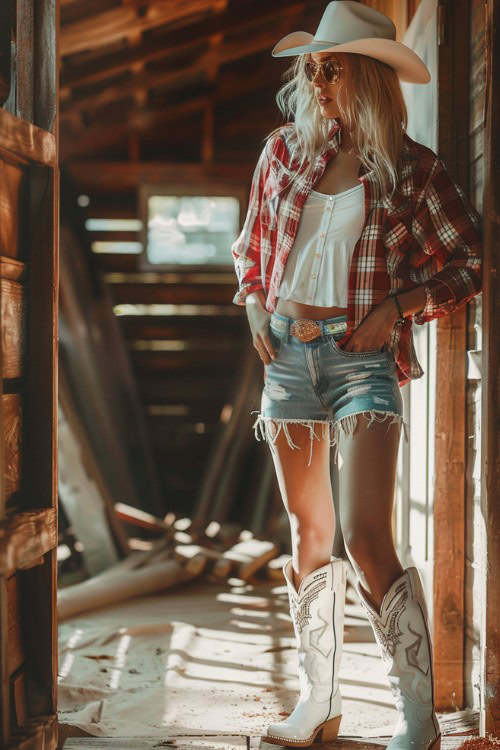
(330, 430)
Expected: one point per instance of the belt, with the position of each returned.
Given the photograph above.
(306, 329)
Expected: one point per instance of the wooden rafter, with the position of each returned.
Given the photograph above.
(131, 18)
(203, 67)
(100, 135)
(233, 20)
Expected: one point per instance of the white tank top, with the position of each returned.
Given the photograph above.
(316, 270)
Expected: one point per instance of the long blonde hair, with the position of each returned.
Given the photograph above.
(375, 114)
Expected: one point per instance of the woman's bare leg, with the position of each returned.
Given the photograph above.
(367, 476)
(307, 495)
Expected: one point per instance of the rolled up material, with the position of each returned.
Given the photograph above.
(114, 587)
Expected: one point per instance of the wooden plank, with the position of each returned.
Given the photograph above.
(36, 733)
(12, 327)
(160, 115)
(228, 52)
(13, 178)
(102, 29)
(182, 326)
(12, 437)
(26, 142)
(24, 59)
(169, 362)
(102, 177)
(180, 39)
(173, 742)
(82, 494)
(155, 389)
(6, 21)
(29, 234)
(4, 661)
(26, 536)
(46, 71)
(221, 742)
(95, 362)
(490, 439)
(449, 457)
(163, 294)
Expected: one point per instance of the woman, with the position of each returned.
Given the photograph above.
(345, 212)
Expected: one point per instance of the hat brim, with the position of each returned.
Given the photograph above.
(407, 64)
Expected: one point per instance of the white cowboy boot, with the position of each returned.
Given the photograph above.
(317, 611)
(402, 632)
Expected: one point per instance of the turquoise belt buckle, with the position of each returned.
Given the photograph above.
(335, 327)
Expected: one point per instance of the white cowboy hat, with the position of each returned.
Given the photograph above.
(350, 26)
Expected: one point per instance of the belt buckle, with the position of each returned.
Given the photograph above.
(305, 329)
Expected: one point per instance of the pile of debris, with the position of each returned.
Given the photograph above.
(179, 551)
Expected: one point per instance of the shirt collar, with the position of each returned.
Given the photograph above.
(335, 133)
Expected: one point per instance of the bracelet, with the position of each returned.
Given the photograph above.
(401, 318)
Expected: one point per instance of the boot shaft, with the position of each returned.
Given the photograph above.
(317, 611)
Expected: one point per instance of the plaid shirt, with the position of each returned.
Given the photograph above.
(427, 234)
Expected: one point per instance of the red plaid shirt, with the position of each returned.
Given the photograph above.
(427, 234)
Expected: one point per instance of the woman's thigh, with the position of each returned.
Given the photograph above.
(367, 463)
(305, 487)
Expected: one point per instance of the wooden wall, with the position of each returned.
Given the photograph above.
(475, 540)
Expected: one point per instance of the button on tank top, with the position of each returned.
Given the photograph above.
(316, 270)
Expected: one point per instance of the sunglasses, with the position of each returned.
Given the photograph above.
(329, 68)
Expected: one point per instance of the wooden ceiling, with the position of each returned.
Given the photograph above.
(177, 80)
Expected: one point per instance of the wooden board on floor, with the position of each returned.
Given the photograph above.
(193, 742)
(223, 742)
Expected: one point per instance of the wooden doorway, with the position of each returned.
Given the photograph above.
(28, 413)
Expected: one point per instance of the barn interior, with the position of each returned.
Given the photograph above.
(172, 616)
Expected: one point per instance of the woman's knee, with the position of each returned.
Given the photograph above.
(310, 535)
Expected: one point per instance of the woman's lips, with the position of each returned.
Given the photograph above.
(324, 99)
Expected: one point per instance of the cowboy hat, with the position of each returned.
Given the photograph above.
(350, 26)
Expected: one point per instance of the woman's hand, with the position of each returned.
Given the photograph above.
(374, 329)
(259, 319)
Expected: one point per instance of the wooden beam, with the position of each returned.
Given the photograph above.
(102, 29)
(490, 417)
(450, 426)
(102, 134)
(26, 141)
(103, 177)
(185, 294)
(26, 537)
(175, 42)
(174, 79)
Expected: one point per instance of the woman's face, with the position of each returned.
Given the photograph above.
(328, 94)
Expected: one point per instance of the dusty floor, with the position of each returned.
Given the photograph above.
(205, 658)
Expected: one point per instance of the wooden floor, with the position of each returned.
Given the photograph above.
(231, 668)
(224, 742)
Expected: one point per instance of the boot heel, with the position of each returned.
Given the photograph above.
(329, 730)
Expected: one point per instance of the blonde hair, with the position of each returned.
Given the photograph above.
(375, 113)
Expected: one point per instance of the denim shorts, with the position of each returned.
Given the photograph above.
(317, 382)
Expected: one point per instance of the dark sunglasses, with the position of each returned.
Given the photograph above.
(329, 68)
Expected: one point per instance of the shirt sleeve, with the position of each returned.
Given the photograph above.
(447, 260)
(246, 249)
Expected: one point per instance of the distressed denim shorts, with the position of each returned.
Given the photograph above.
(317, 382)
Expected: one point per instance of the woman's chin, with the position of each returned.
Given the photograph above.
(329, 111)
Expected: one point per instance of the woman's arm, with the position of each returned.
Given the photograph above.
(411, 301)
(447, 256)
(246, 249)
